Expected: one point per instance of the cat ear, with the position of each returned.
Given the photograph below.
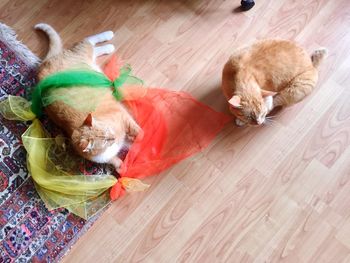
(89, 120)
(266, 93)
(235, 101)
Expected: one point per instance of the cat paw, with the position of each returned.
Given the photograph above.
(101, 37)
(103, 50)
(136, 136)
(139, 135)
(269, 103)
(240, 123)
(106, 36)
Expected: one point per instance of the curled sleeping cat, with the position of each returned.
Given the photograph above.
(268, 74)
(99, 135)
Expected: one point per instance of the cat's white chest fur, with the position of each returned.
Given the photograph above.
(108, 154)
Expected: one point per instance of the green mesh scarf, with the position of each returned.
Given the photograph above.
(77, 78)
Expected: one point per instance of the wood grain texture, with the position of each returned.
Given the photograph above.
(278, 193)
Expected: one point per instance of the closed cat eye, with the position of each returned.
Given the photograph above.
(103, 138)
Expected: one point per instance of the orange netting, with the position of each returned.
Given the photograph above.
(175, 126)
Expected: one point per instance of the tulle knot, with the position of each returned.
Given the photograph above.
(126, 184)
(124, 74)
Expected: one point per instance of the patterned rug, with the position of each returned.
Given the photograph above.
(28, 231)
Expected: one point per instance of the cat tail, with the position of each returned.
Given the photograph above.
(318, 55)
(55, 46)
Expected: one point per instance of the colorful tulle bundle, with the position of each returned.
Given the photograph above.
(175, 126)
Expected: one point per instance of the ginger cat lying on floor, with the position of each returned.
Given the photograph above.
(268, 74)
(99, 135)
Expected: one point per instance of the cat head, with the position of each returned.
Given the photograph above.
(94, 136)
(251, 108)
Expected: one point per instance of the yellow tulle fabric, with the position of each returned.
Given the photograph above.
(16, 108)
(54, 167)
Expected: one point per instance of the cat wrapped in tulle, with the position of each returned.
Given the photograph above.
(95, 121)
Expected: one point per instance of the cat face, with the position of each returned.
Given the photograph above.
(251, 110)
(94, 137)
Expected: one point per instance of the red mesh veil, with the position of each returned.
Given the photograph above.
(175, 126)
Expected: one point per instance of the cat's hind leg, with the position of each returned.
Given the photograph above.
(103, 50)
(101, 37)
(297, 89)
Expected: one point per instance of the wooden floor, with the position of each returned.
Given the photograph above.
(278, 193)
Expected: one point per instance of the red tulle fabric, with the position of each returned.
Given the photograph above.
(116, 191)
(175, 126)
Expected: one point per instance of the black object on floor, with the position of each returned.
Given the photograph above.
(247, 4)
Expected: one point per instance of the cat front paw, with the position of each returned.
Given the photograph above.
(134, 131)
(269, 103)
(240, 123)
(140, 135)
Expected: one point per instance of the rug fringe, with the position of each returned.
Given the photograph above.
(8, 36)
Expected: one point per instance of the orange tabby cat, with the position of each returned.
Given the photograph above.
(99, 135)
(268, 74)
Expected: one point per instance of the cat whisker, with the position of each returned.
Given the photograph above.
(270, 122)
(269, 117)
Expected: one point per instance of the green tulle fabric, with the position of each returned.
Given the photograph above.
(58, 86)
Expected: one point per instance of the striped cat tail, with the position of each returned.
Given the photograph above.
(55, 43)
